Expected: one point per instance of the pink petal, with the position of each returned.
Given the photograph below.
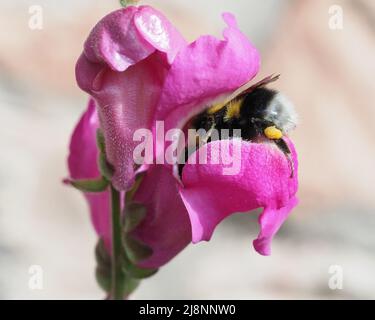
(270, 222)
(166, 228)
(125, 37)
(82, 164)
(126, 103)
(206, 70)
(159, 32)
(263, 180)
(83, 149)
(123, 66)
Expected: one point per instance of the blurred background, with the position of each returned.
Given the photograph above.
(327, 69)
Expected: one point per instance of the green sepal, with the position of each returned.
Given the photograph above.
(126, 3)
(134, 214)
(134, 271)
(104, 167)
(102, 256)
(130, 194)
(136, 251)
(103, 270)
(100, 142)
(104, 278)
(90, 185)
(130, 285)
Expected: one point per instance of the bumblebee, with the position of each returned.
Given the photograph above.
(259, 112)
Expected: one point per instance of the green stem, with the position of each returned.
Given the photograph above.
(117, 273)
(125, 3)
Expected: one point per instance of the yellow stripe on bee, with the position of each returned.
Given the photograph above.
(233, 109)
(273, 133)
(215, 108)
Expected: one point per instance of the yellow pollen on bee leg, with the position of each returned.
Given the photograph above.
(273, 133)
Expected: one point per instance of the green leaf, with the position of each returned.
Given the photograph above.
(134, 215)
(90, 185)
(135, 250)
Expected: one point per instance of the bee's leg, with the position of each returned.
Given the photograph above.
(282, 145)
(182, 164)
(207, 138)
(189, 149)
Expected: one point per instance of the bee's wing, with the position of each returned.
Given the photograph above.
(245, 89)
(260, 83)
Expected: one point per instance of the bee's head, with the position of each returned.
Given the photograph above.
(270, 112)
(280, 111)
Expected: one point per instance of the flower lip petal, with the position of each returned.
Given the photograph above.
(230, 19)
(263, 180)
(270, 221)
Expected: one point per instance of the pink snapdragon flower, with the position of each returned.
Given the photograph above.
(166, 228)
(123, 67)
(139, 70)
(82, 164)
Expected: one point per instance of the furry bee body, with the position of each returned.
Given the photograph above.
(252, 113)
(260, 113)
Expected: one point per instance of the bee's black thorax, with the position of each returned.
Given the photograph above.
(248, 113)
(250, 118)
(257, 112)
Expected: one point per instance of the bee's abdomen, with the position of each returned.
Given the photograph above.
(203, 121)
